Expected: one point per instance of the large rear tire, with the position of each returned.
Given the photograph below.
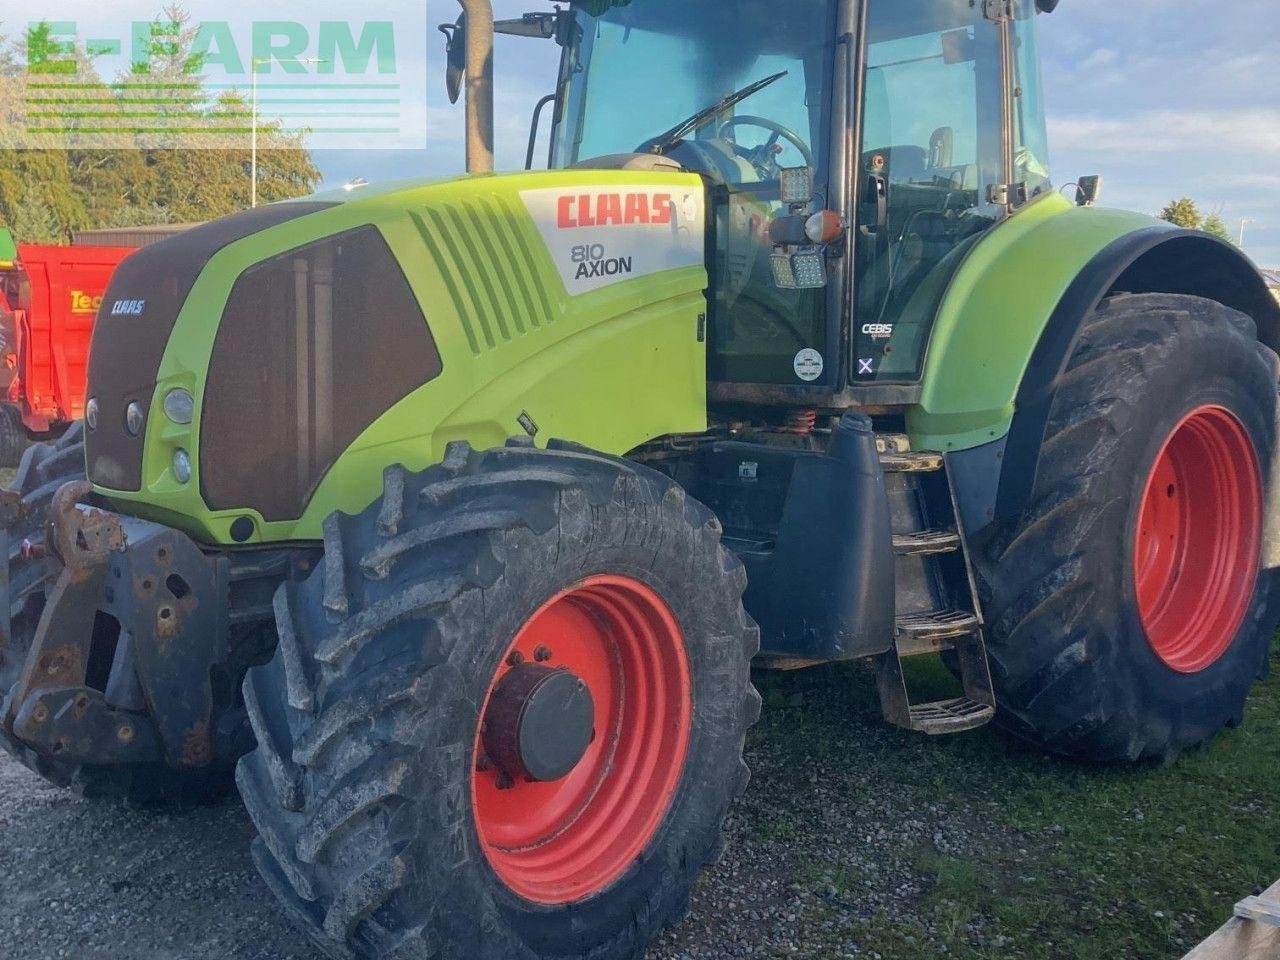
(45, 468)
(1128, 610)
(486, 626)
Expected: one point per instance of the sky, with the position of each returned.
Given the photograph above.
(1165, 98)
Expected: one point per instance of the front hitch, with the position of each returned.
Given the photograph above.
(51, 708)
(119, 667)
(82, 538)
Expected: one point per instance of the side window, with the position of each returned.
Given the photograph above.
(1030, 138)
(931, 147)
(313, 346)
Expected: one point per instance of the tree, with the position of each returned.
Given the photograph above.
(1183, 213)
(33, 220)
(83, 185)
(1214, 225)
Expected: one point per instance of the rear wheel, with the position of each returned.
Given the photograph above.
(1129, 613)
(506, 717)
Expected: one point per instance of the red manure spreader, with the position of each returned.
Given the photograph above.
(49, 299)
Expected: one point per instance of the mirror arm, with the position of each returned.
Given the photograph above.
(533, 128)
(539, 26)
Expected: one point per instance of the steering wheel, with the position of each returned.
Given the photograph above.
(765, 157)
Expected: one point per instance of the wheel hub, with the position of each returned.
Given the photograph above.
(539, 723)
(582, 739)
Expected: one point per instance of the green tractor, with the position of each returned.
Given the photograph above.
(453, 515)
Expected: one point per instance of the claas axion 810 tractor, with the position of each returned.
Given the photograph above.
(457, 512)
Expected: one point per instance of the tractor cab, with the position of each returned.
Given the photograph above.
(914, 126)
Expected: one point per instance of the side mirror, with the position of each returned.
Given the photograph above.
(1088, 191)
(958, 47)
(1046, 6)
(455, 56)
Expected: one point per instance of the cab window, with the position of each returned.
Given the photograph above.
(932, 146)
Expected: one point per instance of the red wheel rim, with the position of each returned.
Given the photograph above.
(560, 842)
(1199, 537)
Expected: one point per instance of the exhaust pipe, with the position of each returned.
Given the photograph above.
(479, 84)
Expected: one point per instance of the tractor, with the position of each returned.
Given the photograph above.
(452, 516)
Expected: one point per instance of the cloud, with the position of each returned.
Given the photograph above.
(1205, 132)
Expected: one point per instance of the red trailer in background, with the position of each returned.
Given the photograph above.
(51, 295)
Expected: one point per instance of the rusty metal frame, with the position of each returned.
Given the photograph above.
(174, 606)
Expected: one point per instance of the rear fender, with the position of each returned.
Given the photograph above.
(1155, 260)
(1012, 316)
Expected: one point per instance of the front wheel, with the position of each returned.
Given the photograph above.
(14, 439)
(1129, 610)
(507, 714)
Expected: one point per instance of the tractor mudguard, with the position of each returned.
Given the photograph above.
(1155, 260)
(1011, 318)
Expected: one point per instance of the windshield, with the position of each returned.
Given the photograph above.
(635, 70)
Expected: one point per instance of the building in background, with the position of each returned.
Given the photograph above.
(1273, 281)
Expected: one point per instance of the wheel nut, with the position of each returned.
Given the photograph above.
(515, 658)
(542, 654)
(40, 714)
(505, 782)
(125, 734)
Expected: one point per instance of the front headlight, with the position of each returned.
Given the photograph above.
(133, 419)
(182, 466)
(179, 406)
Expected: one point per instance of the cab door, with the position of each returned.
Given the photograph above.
(932, 163)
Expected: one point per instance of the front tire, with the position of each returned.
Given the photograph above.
(395, 816)
(1128, 611)
(14, 439)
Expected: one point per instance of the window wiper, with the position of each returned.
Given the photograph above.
(665, 141)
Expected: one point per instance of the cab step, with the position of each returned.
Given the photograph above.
(911, 462)
(936, 627)
(937, 604)
(926, 542)
(951, 716)
(974, 709)
(896, 455)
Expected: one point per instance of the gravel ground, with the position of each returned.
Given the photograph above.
(855, 841)
(94, 879)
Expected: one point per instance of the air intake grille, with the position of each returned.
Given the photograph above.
(488, 267)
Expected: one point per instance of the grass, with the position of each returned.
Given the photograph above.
(1069, 860)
